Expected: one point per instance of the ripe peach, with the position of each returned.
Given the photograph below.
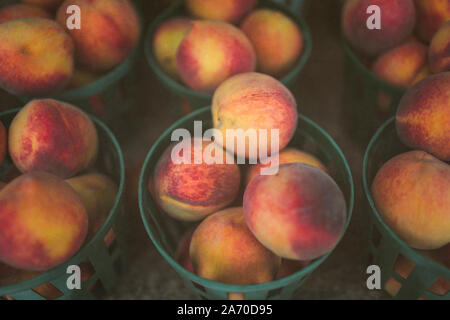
(98, 195)
(37, 57)
(182, 253)
(288, 155)
(17, 11)
(431, 15)
(223, 249)
(255, 101)
(398, 18)
(193, 191)
(230, 11)
(277, 40)
(289, 267)
(412, 195)
(423, 116)
(298, 213)
(52, 136)
(2, 142)
(166, 41)
(47, 4)
(439, 52)
(211, 53)
(43, 222)
(110, 30)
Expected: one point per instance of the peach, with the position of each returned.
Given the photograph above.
(255, 101)
(439, 52)
(423, 116)
(182, 254)
(211, 53)
(277, 40)
(401, 65)
(398, 18)
(2, 142)
(190, 191)
(98, 195)
(37, 57)
(431, 15)
(404, 267)
(223, 249)
(288, 155)
(43, 222)
(110, 31)
(298, 213)
(52, 136)
(17, 11)
(166, 42)
(412, 195)
(289, 267)
(47, 4)
(230, 11)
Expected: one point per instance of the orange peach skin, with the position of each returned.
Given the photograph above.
(431, 15)
(255, 101)
(298, 214)
(423, 116)
(43, 222)
(439, 51)
(288, 155)
(17, 11)
(37, 57)
(110, 30)
(192, 191)
(277, 40)
(2, 142)
(98, 195)
(52, 136)
(223, 249)
(412, 195)
(404, 267)
(211, 53)
(47, 4)
(166, 41)
(230, 11)
(398, 18)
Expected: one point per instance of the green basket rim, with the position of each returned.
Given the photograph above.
(404, 248)
(185, 90)
(215, 285)
(81, 255)
(366, 71)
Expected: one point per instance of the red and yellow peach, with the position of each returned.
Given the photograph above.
(439, 51)
(17, 11)
(230, 11)
(431, 15)
(47, 4)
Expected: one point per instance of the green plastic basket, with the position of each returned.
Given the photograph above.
(383, 246)
(166, 232)
(362, 93)
(108, 262)
(185, 99)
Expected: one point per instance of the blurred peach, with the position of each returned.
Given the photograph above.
(439, 52)
(220, 10)
(431, 15)
(17, 11)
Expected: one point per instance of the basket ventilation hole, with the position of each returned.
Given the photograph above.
(110, 241)
(48, 291)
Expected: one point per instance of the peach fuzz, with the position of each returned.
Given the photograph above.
(423, 116)
(288, 155)
(298, 213)
(277, 40)
(43, 222)
(98, 195)
(37, 57)
(211, 53)
(439, 52)
(192, 191)
(431, 15)
(404, 267)
(255, 101)
(412, 195)
(230, 11)
(110, 31)
(223, 249)
(398, 18)
(2, 142)
(47, 4)
(52, 136)
(166, 41)
(17, 11)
